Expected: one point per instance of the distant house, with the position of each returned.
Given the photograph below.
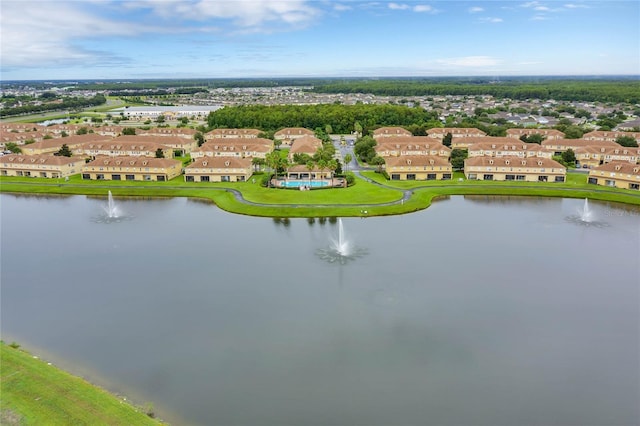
(616, 174)
(593, 156)
(456, 133)
(289, 134)
(418, 168)
(305, 145)
(123, 147)
(44, 166)
(132, 169)
(611, 136)
(561, 145)
(218, 169)
(232, 133)
(234, 147)
(547, 134)
(410, 145)
(514, 169)
(516, 148)
(50, 146)
(390, 131)
(468, 141)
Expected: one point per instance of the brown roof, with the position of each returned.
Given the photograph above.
(514, 145)
(73, 140)
(618, 167)
(512, 162)
(235, 132)
(578, 143)
(455, 131)
(416, 160)
(294, 131)
(129, 161)
(391, 131)
(608, 134)
(543, 132)
(221, 163)
(50, 160)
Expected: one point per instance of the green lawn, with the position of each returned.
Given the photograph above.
(361, 199)
(36, 393)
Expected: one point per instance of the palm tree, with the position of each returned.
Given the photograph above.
(310, 167)
(347, 160)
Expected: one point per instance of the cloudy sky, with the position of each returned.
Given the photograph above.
(99, 39)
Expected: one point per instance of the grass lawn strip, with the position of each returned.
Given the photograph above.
(377, 198)
(35, 392)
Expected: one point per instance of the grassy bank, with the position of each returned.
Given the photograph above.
(36, 393)
(362, 199)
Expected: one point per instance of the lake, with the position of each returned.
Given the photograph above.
(477, 311)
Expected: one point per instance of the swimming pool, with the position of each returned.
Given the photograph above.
(299, 183)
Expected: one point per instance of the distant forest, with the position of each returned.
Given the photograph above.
(342, 118)
(564, 90)
(591, 89)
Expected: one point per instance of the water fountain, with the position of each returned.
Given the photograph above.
(341, 250)
(111, 212)
(342, 245)
(586, 215)
(111, 209)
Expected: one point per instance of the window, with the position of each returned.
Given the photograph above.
(115, 177)
(100, 176)
(609, 182)
(86, 176)
(431, 176)
(130, 177)
(520, 177)
(146, 177)
(411, 176)
(4, 173)
(543, 178)
(510, 177)
(559, 179)
(189, 179)
(160, 178)
(204, 178)
(473, 176)
(593, 181)
(487, 177)
(43, 174)
(446, 176)
(395, 176)
(634, 186)
(240, 179)
(225, 178)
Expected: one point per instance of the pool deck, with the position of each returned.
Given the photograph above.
(304, 183)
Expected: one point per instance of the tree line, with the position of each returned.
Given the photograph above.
(566, 90)
(343, 119)
(67, 103)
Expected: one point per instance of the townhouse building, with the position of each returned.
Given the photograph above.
(536, 169)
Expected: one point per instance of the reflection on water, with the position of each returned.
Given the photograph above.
(467, 313)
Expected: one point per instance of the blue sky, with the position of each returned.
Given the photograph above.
(127, 39)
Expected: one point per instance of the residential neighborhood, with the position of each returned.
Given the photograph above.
(233, 155)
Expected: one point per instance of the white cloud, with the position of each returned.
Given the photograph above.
(244, 13)
(490, 20)
(540, 18)
(423, 8)
(397, 6)
(341, 7)
(530, 4)
(475, 9)
(576, 6)
(44, 32)
(470, 61)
